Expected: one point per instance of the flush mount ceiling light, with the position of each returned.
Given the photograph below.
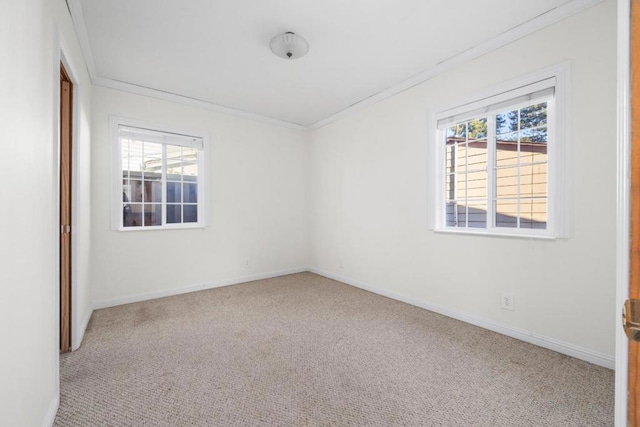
(289, 46)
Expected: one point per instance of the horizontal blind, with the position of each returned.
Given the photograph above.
(484, 107)
(148, 135)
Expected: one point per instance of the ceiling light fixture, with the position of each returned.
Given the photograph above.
(289, 46)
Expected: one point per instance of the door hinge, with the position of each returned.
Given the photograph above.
(631, 319)
(65, 229)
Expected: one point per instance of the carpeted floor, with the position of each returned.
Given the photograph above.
(303, 350)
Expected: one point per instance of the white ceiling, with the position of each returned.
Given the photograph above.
(217, 51)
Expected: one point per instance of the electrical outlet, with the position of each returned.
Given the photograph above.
(246, 263)
(507, 301)
(341, 263)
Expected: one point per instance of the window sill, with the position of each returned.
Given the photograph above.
(485, 233)
(161, 228)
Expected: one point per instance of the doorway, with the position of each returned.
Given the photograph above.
(66, 126)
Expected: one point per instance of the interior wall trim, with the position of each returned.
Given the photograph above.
(531, 337)
(543, 20)
(623, 195)
(192, 102)
(539, 22)
(112, 302)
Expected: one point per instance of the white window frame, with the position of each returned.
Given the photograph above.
(556, 77)
(116, 174)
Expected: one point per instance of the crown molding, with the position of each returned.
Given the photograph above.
(193, 102)
(77, 17)
(543, 20)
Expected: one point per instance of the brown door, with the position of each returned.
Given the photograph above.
(66, 109)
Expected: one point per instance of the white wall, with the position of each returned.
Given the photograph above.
(257, 187)
(370, 204)
(31, 32)
(72, 57)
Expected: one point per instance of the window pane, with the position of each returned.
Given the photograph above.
(477, 155)
(477, 185)
(477, 214)
(174, 214)
(190, 193)
(126, 191)
(533, 116)
(460, 192)
(461, 216)
(135, 157)
(458, 131)
(174, 162)
(450, 163)
(190, 213)
(124, 151)
(537, 135)
(152, 161)
(450, 187)
(450, 214)
(189, 161)
(506, 182)
(533, 181)
(507, 151)
(132, 215)
(477, 129)
(460, 160)
(152, 214)
(533, 213)
(174, 192)
(506, 122)
(506, 213)
(158, 179)
(153, 191)
(533, 152)
(466, 174)
(135, 191)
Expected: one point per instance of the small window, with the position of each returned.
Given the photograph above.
(499, 162)
(159, 178)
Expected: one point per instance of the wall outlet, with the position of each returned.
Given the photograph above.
(507, 301)
(246, 263)
(341, 263)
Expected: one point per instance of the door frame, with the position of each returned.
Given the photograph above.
(65, 200)
(62, 57)
(623, 205)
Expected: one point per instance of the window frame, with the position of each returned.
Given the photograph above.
(116, 175)
(556, 77)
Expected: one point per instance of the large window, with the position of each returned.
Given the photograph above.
(159, 178)
(499, 161)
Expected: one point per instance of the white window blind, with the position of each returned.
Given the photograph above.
(148, 135)
(524, 95)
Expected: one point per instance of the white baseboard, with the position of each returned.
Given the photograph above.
(193, 288)
(524, 335)
(51, 412)
(581, 353)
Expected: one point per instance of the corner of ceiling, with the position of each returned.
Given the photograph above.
(550, 17)
(77, 17)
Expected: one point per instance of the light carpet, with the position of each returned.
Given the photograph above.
(303, 350)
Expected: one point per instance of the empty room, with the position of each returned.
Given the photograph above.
(319, 213)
